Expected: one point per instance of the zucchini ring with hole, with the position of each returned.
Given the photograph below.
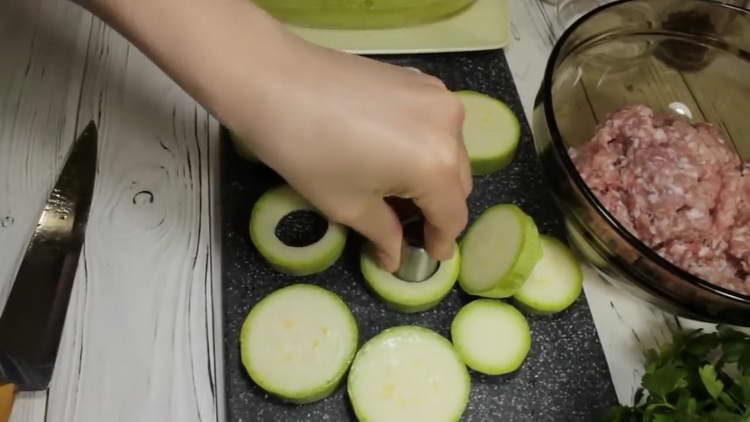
(406, 296)
(266, 216)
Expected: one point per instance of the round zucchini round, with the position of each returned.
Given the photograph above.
(408, 373)
(491, 130)
(555, 283)
(298, 342)
(498, 252)
(491, 336)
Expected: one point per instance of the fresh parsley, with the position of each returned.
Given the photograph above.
(699, 377)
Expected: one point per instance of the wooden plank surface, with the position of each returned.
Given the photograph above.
(40, 85)
(139, 343)
(41, 72)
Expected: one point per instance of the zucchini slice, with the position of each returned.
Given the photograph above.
(498, 252)
(491, 132)
(407, 374)
(555, 283)
(410, 297)
(268, 212)
(298, 342)
(491, 336)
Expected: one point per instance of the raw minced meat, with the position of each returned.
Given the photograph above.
(679, 187)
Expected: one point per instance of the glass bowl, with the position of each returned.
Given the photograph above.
(690, 56)
(362, 14)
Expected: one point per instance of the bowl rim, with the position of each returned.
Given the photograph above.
(582, 186)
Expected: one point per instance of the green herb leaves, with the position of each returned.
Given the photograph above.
(699, 377)
(708, 376)
(664, 380)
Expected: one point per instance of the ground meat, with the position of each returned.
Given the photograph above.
(679, 187)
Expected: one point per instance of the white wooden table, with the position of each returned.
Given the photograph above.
(142, 341)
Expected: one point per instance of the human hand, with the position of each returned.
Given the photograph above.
(347, 131)
(343, 130)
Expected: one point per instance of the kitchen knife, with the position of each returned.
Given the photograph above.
(32, 321)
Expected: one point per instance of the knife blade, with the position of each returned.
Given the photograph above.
(32, 321)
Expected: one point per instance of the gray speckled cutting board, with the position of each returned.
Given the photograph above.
(565, 377)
